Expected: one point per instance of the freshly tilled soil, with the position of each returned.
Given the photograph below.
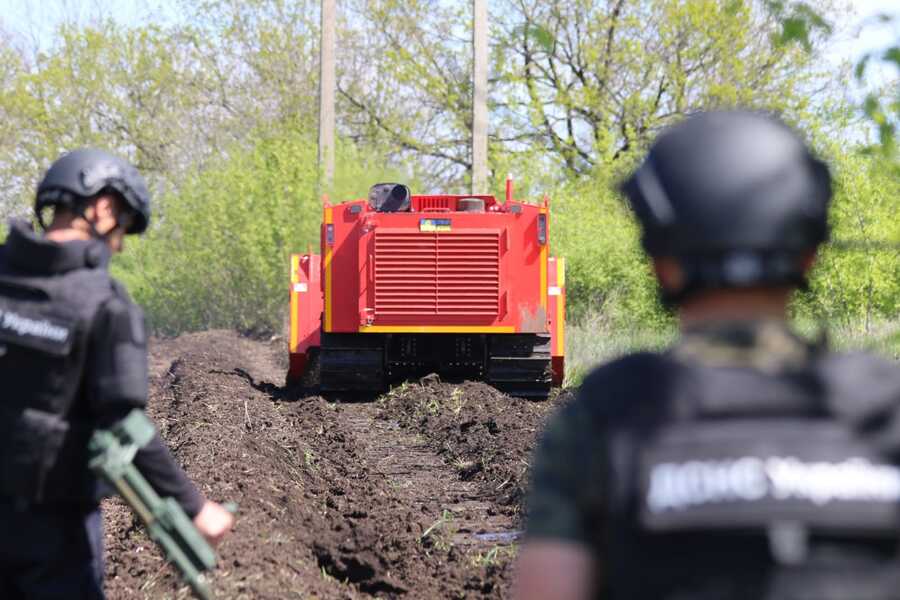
(417, 494)
(487, 437)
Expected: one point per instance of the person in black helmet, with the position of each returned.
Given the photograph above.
(73, 358)
(743, 462)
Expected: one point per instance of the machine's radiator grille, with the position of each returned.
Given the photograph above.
(447, 273)
(433, 203)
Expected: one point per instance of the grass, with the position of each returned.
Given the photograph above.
(596, 340)
(881, 338)
(458, 401)
(496, 556)
(440, 534)
(309, 459)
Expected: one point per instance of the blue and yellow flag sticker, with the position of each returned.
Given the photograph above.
(434, 225)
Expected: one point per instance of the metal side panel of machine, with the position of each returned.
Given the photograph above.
(306, 302)
(556, 314)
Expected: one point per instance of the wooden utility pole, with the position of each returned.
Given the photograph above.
(479, 99)
(326, 95)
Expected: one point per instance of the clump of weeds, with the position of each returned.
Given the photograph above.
(458, 401)
(496, 556)
(439, 534)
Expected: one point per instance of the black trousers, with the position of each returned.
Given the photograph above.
(50, 553)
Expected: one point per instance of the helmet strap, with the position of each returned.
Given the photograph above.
(39, 214)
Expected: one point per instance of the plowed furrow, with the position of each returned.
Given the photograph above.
(336, 500)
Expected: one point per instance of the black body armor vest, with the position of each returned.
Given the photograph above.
(45, 324)
(731, 483)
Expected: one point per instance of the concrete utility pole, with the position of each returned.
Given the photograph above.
(479, 100)
(326, 94)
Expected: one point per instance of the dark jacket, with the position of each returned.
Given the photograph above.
(73, 358)
(741, 464)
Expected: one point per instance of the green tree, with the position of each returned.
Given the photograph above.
(579, 83)
(217, 108)
(168, 98)
(130, 90)
(801, 20)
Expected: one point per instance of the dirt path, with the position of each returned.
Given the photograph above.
(425, 482)
(414, 495)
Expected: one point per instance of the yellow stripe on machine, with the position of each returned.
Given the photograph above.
(295, 301)
(329, 219)
(561, 308)
(435, 329)
(543, 259)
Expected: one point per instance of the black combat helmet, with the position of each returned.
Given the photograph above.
(735, 196)
(85, 173)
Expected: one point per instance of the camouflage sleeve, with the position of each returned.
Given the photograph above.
(117, 374)
(560, 504)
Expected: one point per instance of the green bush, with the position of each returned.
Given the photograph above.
(606, 271)
(218, 256)
(857, 279)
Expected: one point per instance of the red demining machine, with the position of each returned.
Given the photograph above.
(406, 285)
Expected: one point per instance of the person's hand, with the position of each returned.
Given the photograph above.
(213, 521)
